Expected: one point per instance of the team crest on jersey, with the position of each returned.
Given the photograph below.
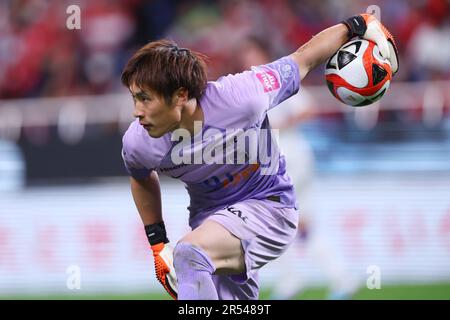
(268, 80)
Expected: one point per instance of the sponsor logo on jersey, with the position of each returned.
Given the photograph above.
(268, 80)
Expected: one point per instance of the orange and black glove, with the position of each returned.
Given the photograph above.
(368, 27)
(163, 256)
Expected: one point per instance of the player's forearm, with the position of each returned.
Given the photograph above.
(320, 48)
(147, 197)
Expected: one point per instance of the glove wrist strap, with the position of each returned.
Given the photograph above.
(356, 26)
(156, 233)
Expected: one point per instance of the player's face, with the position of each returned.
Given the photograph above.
(153, 113)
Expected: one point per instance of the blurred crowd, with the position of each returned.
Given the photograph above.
(40, 56)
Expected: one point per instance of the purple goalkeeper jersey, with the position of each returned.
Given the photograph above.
(234, 103)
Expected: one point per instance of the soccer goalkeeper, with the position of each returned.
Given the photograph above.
(241, 217)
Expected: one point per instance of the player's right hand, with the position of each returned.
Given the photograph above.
(163, 257)
(164, 270)
(369, 28)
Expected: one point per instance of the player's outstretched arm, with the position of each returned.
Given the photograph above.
(147, 197)
(323, 45)
(320, 48)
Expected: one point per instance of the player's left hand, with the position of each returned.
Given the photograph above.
(163, 256)
(369, 28)
(164, 269)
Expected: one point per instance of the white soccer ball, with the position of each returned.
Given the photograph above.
(357, 74)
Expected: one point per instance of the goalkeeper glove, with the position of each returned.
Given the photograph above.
(369, 28)
(163, 256)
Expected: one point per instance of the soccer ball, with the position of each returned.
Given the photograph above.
(357, 74)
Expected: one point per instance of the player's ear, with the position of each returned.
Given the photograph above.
(180, 96)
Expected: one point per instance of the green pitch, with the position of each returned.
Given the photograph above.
(440, 291)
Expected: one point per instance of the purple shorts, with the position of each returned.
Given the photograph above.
(265, 230)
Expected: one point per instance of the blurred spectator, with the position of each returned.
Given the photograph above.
(39, 56)
(26, 38)
(107, 25)
(429, 46)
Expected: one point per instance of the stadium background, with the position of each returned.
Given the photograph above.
(381, 190)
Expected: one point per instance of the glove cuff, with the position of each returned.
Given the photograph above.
(156, 233)
(356, 26)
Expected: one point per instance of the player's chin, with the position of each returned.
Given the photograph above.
(155, 132)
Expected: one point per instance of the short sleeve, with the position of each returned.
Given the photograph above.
(278, 80)
(133, 169)
(130, 159)
(269, 84)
